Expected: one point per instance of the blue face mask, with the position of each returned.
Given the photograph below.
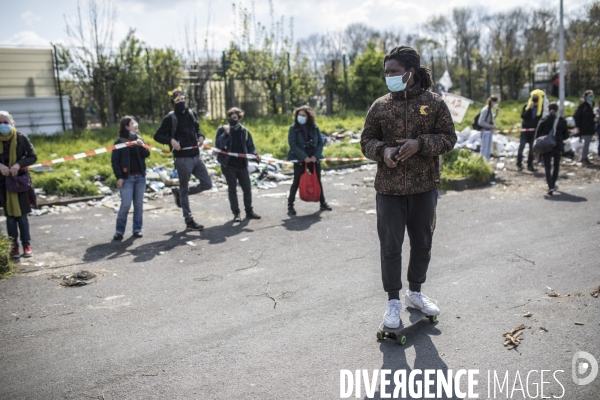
(301, 119)
(5, 129)
(590, 99)
(395, 83)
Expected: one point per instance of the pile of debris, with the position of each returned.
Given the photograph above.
(512, 340)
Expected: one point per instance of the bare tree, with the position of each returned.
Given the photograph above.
(389, 40)
(357, 35)
(90, 45)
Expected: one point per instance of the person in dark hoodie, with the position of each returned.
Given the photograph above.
(561, 133)
(181, 131)
(419, 122)
(584, 120)
(129, 166)
(235, 138)
(531, 114)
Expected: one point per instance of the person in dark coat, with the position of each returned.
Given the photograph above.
(306, 146)
(129, 166)
(584, 120)
(546, 127)
(16, 153)
(531, 114)
(235, 138)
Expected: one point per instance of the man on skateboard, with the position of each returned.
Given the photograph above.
(417, 121)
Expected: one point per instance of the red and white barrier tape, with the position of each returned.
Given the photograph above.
(84, 155)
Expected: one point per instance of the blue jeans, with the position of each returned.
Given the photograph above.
(132, 190)
(486, 144)
(14, 225)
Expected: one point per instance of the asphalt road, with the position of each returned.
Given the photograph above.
(274, 309)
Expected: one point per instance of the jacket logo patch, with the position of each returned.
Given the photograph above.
(423, 110)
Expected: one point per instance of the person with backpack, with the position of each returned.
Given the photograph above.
(306, 146)
(531, 114)
(584, 120)
(486, 122)
(129, 166)
(235, 138)
(405, 132)
(181, 131)
(553, 124)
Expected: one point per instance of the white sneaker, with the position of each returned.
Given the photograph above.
(391, 318)
(421, 302)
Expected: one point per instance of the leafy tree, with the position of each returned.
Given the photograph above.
(366, 77)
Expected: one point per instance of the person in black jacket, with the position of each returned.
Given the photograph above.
(235, 138)
(306, 147)
(129, 166)
(181, 131)
(584, 120)
(531, 114)
(16, 153)
(544, 128)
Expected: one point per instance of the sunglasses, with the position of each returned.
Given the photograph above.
(5, 122)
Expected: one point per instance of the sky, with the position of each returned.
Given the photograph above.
(160, 23)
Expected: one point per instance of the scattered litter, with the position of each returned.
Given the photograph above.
(190, 243)
(78, 278)
(579, 323)
(40, 264)
(458, 316)
(371, 212)
(441, 353)
(369, 179)
(544, 329)
(528, 314)
(500, 165)
(553, 294)
(595, 292)
(243, 240)
(512, 340)
(161, 252)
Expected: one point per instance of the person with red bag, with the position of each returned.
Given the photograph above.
(306, 146)
(16, 153)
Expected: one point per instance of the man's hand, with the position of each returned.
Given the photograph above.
(175, 145)
(408, 149)
(387, 153)
(257, 158)
(120, 182)
(4, 170)
(200, 141)
(307, 160)
(14, 170)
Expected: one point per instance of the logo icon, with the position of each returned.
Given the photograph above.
(580, 367)
(423, 110)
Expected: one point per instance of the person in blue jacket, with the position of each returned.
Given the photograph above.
(129, 166)
(306, 146)
(236, 138)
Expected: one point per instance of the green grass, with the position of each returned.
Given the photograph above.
(7, 267)
(465, 164)
(269, 133)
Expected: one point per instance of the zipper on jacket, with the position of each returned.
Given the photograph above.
(406, 131)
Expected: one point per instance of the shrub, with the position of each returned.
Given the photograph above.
(6, 264)
(464, 164)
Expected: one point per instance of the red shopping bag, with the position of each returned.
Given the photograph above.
(309, 187)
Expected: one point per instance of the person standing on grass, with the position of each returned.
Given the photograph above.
(306, 146)
(129, 166)
(531, 114)
(235, 138)
(584, 120)
(487, 116)
(181, 131)
(16, 153)
(546, 127)
(413, 117)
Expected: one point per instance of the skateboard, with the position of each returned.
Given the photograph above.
(408, 317)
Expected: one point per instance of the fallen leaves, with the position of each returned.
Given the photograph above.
(595, 292)
(528, 314)
(512, 340)
(78, 278)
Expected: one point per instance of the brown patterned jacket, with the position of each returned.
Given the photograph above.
(414, 113)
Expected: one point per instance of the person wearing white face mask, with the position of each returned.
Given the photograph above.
(486, 121)
(405, 132)
(16, 153)
(584, 120)
(306, 146)
(129, 166)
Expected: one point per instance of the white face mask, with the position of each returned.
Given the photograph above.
(301, 119)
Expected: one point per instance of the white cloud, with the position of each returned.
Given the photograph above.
(30, 18)
(26, 39)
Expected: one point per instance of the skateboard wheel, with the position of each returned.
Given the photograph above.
(380, 335)
(433, 318)
(402, 340)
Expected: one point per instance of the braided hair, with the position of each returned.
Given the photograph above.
(409, 58)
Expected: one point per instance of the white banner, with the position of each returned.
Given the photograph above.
(458, 106)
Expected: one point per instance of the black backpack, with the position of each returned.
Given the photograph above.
(476, 125)
(174, 121)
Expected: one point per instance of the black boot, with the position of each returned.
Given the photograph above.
(252, 215)
(236, 217)
(291, 211)
(325, 207)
